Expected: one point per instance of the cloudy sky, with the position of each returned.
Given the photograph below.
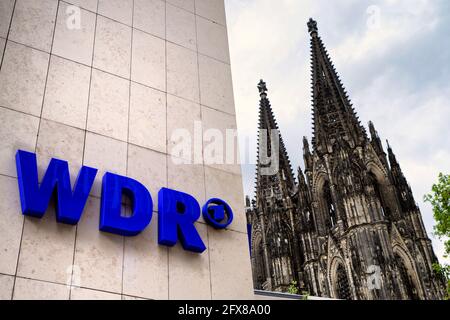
(392, 55)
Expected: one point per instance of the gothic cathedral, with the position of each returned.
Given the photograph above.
(350, 227)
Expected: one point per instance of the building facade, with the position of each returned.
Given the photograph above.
(350, 227)
(106, 83)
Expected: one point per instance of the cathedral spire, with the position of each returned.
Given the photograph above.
(307, 156)
(396, 170)
(333, 114)
(376, 143)
(301, 177)
(404, 189)
(267, 125)
(395, 166)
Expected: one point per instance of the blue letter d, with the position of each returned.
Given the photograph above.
(111, 219)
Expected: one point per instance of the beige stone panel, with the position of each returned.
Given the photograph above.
(150, 16)
(183, 130)
(22, 78)
(18, 131)
(112, 50)
(33, 23)
(189, 275)
(231, 274)
(149, 168)
(6, 9)
(212, 40)
(216, 88)
(149, 60)
(71, 41)
(6, 287)
(228, 187)
(211, 9)
(90, 5)
(182, 73)
(27, 289)
(106, 155)
(147, 118)
(57, 141)
(221, 145)
(181, 27)
(11, 223)
(188, 178)
(99, 255)
(185, 4)
(186, 173)
(108, 105)
(67, 93)
(119, 10)
(77, 293)
(61, 142)
(47, 249)
(145, 271)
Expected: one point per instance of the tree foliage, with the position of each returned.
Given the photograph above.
(293, 288)
(439, 198)
(440, 201)
(445, 272)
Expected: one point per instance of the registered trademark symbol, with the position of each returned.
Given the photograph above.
(217, 213)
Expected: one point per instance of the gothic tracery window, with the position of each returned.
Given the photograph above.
(331, 210)
(343, 287)
(407, 283)
(259, 265)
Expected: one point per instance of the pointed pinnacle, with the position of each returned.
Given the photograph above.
(312, 26)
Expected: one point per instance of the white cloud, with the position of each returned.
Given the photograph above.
(399, 22)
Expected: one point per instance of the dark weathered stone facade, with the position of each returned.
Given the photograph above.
(349, 227)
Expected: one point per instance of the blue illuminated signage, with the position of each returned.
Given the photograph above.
(177, 211)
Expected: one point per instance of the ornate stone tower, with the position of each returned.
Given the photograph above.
(274, 257)
(358, 232)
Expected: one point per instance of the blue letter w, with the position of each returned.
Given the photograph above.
(35, 199)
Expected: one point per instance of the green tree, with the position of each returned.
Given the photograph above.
(439, 198)
(293, 288)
